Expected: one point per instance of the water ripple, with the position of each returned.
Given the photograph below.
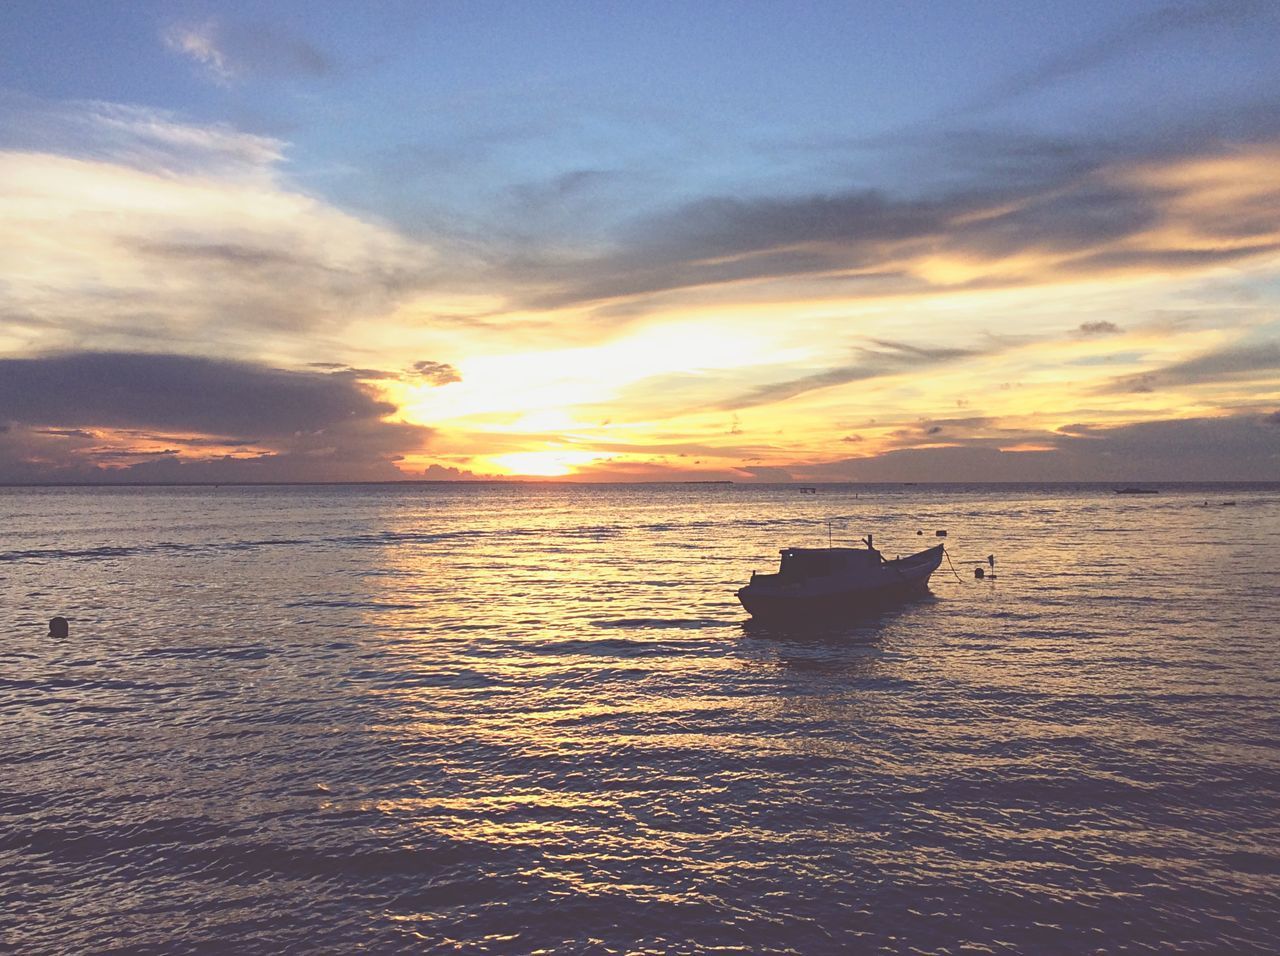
(508, 719)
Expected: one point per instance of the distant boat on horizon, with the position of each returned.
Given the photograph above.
(1137, 491)
(816, 583)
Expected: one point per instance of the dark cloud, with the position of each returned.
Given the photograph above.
(1070, 207)
(725, 239)
(1233, 364)
(197, 441)
(67, 432)
(888, 358)
(211, 396)
(1101, 327)
(859, 234)
(435, 472)
(437, 373)
(308, 425)
(1234, 448)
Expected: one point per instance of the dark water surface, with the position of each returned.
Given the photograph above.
(519, 718)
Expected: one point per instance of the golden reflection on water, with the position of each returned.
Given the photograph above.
(455, 705)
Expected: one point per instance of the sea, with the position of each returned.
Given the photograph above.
(533, 718)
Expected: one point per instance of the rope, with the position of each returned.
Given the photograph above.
(952, 566)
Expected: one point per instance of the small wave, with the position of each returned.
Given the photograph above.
(354, 605)
(656, 623)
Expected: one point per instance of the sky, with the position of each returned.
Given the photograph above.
(857, 241)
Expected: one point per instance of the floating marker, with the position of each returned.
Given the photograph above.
(939, 534)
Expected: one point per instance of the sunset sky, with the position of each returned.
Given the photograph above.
(921, 241)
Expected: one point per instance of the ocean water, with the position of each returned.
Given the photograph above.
(533, 718)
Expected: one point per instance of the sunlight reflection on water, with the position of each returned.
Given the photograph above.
(518, 717)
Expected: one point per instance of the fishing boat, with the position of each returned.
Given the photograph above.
(826, 582)
(1136, 491)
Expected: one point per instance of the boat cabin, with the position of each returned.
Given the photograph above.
(799, 564)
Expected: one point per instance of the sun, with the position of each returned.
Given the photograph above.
(543, 464)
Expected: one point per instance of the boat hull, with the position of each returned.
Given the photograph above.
(898, 581)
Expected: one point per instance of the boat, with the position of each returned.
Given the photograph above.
(825, 582)
(1136, 491)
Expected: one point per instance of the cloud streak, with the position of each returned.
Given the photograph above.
(1137, 33)
(1236, 364)
(1168, 214)
(887, 358)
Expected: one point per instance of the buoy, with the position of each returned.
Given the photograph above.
(919, 532)
(979, 573)
(939, 534)
(58, 627)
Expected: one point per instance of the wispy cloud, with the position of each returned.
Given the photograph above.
(228, 52)
(1234, 364)
(885, 358)
(143, 138)
(1139, 32)
(200, 43)
(153, 230)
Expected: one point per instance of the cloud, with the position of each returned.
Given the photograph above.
(148, 229)
(199, 42)
(438, 472)
(231, 51)
(765, 473)
(437, 373)
(1239, 363)
(1135, 215)
(72, 413)
(887, 358)
(143, 138)
(1101, 327)
(1232, 448)
(1142, 31)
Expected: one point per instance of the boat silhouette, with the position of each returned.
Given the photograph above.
(826, 582)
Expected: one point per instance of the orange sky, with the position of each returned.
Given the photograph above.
(194, 297)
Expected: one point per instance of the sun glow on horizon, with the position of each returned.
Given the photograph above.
(542, 464)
